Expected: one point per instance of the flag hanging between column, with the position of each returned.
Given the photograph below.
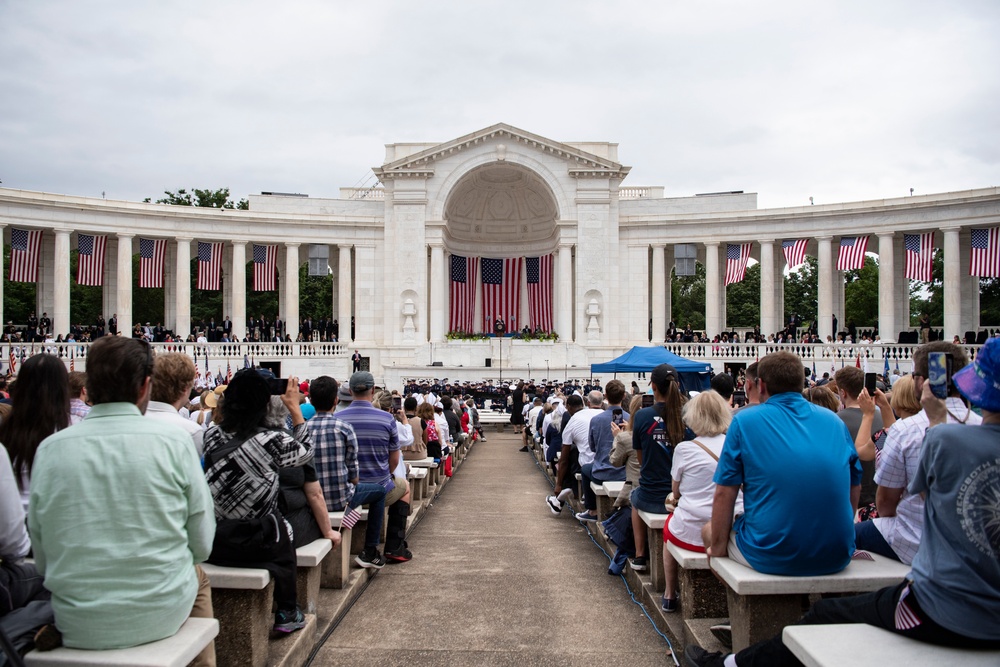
(539, 276)
(985, 260)
(737, 256)
(919, 253)
(265, 258)
(795, 251)
(90, 259)
(852, 252)
(463, 293)
(501, 292)
(24, 247)
(209, 265)
(151, 254)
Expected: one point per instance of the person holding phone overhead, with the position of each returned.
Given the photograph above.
(897, 530)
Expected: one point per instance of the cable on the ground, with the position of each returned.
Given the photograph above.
(628, 588)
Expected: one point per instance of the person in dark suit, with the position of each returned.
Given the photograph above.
(356, 361)
(113, 324)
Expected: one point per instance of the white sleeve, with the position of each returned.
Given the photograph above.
(405, 432)
(13, 534)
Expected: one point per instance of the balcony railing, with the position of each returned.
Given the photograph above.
(834, 355)
(214, 352)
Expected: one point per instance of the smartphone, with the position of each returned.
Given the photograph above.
(397, 403)
(647, 400)
(278, 386)
(617, 416)
(870, 380)
(939, 366)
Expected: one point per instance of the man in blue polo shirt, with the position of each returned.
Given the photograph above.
(801, 480)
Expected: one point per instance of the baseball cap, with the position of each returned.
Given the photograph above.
(344, 394)
(980, 381)
(662, 374)
(362, 381)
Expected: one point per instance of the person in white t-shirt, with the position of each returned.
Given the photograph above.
(576, 435)
(693, 490)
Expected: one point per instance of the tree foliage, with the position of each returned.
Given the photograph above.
(929, 297)
(19, 299)
(687, 296)
(206, 198)
(743, 300)
(861, 294)
(801, 290)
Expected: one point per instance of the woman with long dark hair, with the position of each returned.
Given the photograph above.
(517, 408)
(39, 407)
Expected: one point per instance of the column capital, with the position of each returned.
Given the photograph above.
(181, 239)
(823, 238)
(658, 245)
(886, 235)
(712, 244)
(292, 244)
(956, 230)
(235, 242)
(566, 246)
(345, 246)
(121, 235)
(63, 232)
(768, 241)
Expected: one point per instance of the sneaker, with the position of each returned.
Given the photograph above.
(370, 558)
(523, 449)
(668, 605)
(696, 656)
(289, 621)
(400, 555)
(586, 516)
(554, 504)
(724, 633)
(565, 494)
(639, 563)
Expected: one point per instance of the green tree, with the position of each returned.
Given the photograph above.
(315, 295)
(19, 299)
(929, 297)
(687, 295)
(85, 301)
(861, 294)
(989, 302)
(801, 290)
(206, 198)
(743, 300)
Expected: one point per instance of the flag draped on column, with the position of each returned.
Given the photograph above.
(501, 292)
(985, 260)
(265, 259)
(919, 253)
(539, 276)
(737, 256)
(463, 293)
(24, 247)
(209, 265)
(90, 259)
(795, 251)
(852, 252)
(151, 254)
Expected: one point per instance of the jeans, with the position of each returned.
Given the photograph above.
(868, 537)
(373, 495)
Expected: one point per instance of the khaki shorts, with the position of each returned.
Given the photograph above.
(398, 492)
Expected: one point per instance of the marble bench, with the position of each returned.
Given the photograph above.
(702, 595)
(654, 547)
(175, 651)
(242, 600)
(861, 645)
(604, 500)
(309, 561)
(433, 472)
(353, 539)
(418, 484)
(761, 605)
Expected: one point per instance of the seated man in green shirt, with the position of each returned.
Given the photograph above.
(120, 513)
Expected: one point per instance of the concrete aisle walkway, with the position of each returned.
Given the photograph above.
(496, 579)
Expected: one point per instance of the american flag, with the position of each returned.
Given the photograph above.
(72, 361)
(265, 258)
(795, 251)
(463, 293)
(501, 291)
(737, 256)
(151, 253)
(539, 274)
(919, 252)
(24, 247)
(229, 372)
(209, 265)
(351, 517)
(12, 360)
(852, 252)
(985, 253)
(90, 261)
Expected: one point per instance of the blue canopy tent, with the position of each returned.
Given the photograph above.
(694, 375)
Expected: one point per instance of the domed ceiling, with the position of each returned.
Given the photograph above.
(500, 204)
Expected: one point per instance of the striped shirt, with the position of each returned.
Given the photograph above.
(377, 437)
(335, 456)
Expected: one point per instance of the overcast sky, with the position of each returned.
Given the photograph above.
(841, 101)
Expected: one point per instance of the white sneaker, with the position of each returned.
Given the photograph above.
(554, 505)
(565, 494)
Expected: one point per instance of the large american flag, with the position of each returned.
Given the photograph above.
(209, 265)
(737, 256)
(539, 275)
(463, 293)
(985, 253)
(24, 247)
(852, 252)
(501, 291)
(919, 253)
(795, 251)
(90, 259)
(265, 258)
(151, 253)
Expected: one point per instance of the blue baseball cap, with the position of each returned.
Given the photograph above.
(980, 381)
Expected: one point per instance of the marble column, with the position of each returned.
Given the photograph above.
(824, 309)
(657, 295)
(182, 291)
(124, 305)
(238, 290)
(291, 313)
(768, 319)
(343, 296)
(3, 272)
(564, 296)
(60, 280)
(437, 312)
(952, 284)
(713, 287)
(886, 287)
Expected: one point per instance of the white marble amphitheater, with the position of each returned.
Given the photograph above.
(501, 192)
